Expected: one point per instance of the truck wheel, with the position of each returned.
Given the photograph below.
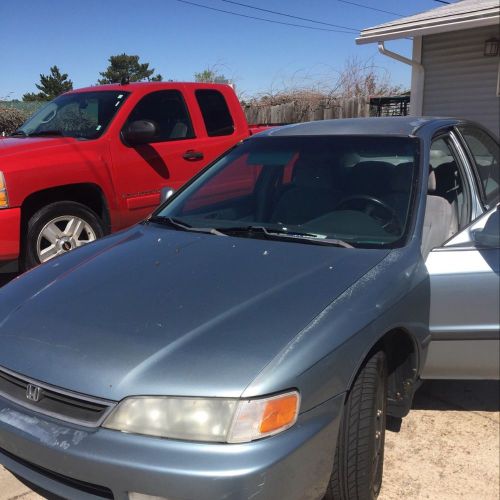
(58, 228)
(359, 457)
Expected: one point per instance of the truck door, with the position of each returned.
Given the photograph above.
(141, 171)
(221, 130)
(194, 128)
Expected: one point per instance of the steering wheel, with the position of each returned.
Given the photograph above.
(375, 208)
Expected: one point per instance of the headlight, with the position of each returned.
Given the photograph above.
(4, 199)
(206, 419)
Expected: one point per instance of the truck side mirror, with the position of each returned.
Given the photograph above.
(165, 193)
(489, 236)
(139, 132)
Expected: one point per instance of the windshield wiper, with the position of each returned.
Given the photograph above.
(45, 132)
(178, 224)
(283, 234)
(19, 133)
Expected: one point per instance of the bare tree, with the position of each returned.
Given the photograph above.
(356, 78)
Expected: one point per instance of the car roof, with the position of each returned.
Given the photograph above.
(397, 126)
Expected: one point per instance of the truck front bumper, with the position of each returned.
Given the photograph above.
(80, 463)
(10, 234)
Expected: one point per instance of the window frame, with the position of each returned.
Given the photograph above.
(472, 161)
(182, 101)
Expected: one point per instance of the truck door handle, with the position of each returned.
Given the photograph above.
(192, 155)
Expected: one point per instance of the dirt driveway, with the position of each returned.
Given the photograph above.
(448, 447)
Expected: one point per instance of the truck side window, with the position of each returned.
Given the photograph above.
(218, 120)
(167, 109)
(486, 157)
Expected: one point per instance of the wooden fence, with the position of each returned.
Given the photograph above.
(303, 111)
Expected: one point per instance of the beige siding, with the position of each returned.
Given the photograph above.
(459, 80)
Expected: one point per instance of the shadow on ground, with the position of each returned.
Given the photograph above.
(458, 395)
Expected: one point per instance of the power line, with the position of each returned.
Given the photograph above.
(371, 8)
(290, 15)
(443, 1)
(262, 19)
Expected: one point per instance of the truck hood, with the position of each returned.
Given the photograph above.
(159, 311)
(32, 145)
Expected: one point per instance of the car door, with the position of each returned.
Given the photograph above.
(465, 280)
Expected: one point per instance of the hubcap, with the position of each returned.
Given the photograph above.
(62, 234)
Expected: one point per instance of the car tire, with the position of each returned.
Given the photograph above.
(65, 225)
(358, 463)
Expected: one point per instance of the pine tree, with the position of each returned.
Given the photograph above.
(124, 67)
(50, 86)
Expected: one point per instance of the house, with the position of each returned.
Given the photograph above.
(455, 62)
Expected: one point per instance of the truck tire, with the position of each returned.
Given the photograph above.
(58, 228)
(359, 457)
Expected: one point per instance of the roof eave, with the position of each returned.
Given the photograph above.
(430, 27)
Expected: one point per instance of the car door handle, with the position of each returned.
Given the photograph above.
(192, 155)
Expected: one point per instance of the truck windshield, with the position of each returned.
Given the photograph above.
(83, 115)
(357, 190)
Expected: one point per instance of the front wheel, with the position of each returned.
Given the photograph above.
(359, 457)
(58, 228)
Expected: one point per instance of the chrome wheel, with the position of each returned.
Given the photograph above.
(62, 234)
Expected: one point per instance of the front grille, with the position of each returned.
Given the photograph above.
(92, 489)
(53, 401)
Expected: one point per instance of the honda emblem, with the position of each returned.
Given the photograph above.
(33, 393)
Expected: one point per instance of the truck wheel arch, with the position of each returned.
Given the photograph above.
(88, 194)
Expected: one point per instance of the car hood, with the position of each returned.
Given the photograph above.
(159, 311)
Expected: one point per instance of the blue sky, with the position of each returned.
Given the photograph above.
(180, 39)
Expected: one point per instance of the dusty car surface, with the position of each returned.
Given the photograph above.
(251, 337)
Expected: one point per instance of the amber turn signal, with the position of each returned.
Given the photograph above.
(4, 200)
(279, 413)
(262, 417)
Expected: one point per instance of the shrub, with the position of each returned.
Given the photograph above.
(11, 119)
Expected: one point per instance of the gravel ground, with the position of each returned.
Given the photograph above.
(448, 447)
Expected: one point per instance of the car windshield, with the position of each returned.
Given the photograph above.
(356, 190)
(81, 115)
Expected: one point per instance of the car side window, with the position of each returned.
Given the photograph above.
(448, 199)
(168, 111)
(485, 152)
(216, 114)
(449, 182)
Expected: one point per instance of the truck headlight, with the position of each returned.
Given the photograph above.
(4, 199)
(206, 419)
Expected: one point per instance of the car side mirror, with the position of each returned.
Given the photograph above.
(165, 193)
(489, 236)
(139, 132)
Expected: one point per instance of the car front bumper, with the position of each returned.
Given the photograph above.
(10, 233)
(80, 463)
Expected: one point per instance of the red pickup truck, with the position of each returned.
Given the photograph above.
(95, 160)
